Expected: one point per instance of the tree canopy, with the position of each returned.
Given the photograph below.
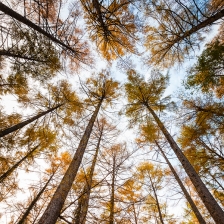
(111, 111)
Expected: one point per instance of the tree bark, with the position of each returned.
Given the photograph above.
(210, 203)
(201, 25)
(24, 123)
(22, 220)
(157, 201)
(186, 194)
(111, 217)
(52, 212)
(83, 202)
(8, 172)
(32, 25)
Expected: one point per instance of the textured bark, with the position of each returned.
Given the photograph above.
(8, 172)
(83, 202)
(22, 220)
(111, 217)
(32, 25)
(186, 194)
(52, 212)
(205, 23)
(157, 201)
(24, 123)
(210, 203)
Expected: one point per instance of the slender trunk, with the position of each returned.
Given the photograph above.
(52, 212)
(8, 172)
(83, 203)
(210, 203)
(24, 123)
(157, 201)
(32, 25)
(205, 23)
(17, 55)
(186, 194)
(135, 216)
(22, 220)
(111, 217)
(100, 18)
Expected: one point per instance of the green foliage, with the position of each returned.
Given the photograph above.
(208, 73)
(141, 94)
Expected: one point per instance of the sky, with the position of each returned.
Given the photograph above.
(177, 73)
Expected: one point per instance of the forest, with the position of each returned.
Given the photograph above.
(112, 111)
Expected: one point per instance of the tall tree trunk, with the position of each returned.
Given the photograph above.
(22, 220)
(210, 203)
(157, 201)
(186, 194)
(111, 217)
(28, 121)
(52, 212)
(209, 21)
(8, 172)
(32, 25)
(83, 202)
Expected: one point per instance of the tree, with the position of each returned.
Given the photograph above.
(64, 102)
(83, 201)
(132, 198)
(178, 29)
(113, 159)
(186, 194)
(30, 207)
(146, 96)
(64, 38)
(152, 177)
(112, 26)
(150, 134)
(102, 88)
(208, 73)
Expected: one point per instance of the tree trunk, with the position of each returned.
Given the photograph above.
(210, 203)
(135, 216)
(8, 172)
(157, 201)
(111, 217)
(52, 212)
(32, 25)
(24, 123)
(205, 23)
(83, 203)
(186, 194)
(22, 220)
(17, 55)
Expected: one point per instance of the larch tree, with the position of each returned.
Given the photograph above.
(152, 176)
(150, 135)
(113, 159)
(208, 72)
(112, 26)
(178, 28)
(63, 103)
(144, 99)
(101, 89)
(66, 34)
